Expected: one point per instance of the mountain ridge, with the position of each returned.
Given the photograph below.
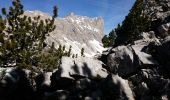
(76, 31)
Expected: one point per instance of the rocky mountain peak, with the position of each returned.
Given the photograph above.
(36, 13)
(76, 31)
(79, 32)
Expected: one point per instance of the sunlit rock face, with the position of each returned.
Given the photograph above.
(76, 31)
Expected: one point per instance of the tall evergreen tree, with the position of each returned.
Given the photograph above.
(133, 25)
(49, 60)
(108, 40)
(23, 37)
(105, 41)
(82, 51)
(111, 38)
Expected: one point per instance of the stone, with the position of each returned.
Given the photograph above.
(114, 87)
(104, 55)
(164, 29)
(121, 61)
(144, 58)
(166, 40)
(81, 67)
(148, 35)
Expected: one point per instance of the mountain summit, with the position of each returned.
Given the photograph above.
(76, 31)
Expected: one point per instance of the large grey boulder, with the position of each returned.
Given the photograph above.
(141, 49)
(72, 68)
(121, 61)
(116, 88)
(144, 58)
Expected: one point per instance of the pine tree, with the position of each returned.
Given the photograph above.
(105, 41)
(23, 37)
(73, 56)
(82, 51)
(133, 25)
(111, 38)
(69, 52)
(49, 60)
(108, 41)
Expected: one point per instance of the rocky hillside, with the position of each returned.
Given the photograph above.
(157, 9)
(159, 12)
(76, 31)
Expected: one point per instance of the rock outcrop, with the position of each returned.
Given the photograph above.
(82, 67)
(121, 61)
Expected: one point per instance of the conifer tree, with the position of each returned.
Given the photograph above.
(23, 37)
(135, 23)
(73, 56)
(111, 38)
(108, 41)
(82, 51)
(49, 60)
(105, 41)
(69, 52)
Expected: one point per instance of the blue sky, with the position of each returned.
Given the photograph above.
(112, 11)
